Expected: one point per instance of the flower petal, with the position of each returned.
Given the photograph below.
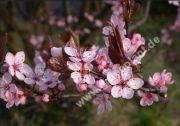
(9, 59)
(100, 109)
(89, 79)
(29, 81)
(76, 76)
(70, 51)
(135, 83)
(116, 91)
(74, 66)
(7, 77)
(39, 69)
(126, 73)
(20, 57)
(19, 75)
(113, 77)
(88, 56)
(127, 93)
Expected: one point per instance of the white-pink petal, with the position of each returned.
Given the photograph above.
(113, 77)
(19, 75)
(127, 93)
(89, 79)
(135, 83)
(70, 51)
(20, 57)
(9, 59)
(116, 91)
(74, 66)
(76, 76)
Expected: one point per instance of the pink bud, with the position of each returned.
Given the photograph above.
(61, 87)
(45, 98)
(100, 68)
(100, 83)
(81, 87)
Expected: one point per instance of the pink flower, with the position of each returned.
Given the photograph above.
(45, 98)
(81, 87)
(88, 17)
(49, 80)
(166, 37)
(116, 21)
(5, 82)
(161, 80)
(38, 58)
(81, 72)
(102, 100)
(61, 22)
(87, 30)
(37, 40)
(76, 56)
(147, 98)
(61, 87)
(34, 77)
(131, 47)
(10, 93)
(71, 19)
(100, 84)
(123, 83)
(52, 20)
(174, 2)
(16, 64)
(167, 77)
(98, 23)
(137, 40)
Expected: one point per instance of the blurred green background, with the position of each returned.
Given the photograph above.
(16, 19)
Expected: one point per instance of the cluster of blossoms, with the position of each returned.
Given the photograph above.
(167, 33)
(66, 24)
(89, 68)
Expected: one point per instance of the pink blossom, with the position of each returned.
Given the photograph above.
(138, 40)
(16, 64)
(100, 83)
(52, 20)
(78, 56)
(61, 22)
(10, 93)
(98, 23)
(71, 19)
(161, 80)
(88, 17)
(49, 79)
(147, 98)
(123, 83)
(81, 87)
(37, 40)
(166, 37)
(130, 48)
(87, 30)
(45, 98)
(82, 73)
(116, 21)
(102, 100)
(61, 87)
(174, 2)
(5, 82)
(34, 77)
